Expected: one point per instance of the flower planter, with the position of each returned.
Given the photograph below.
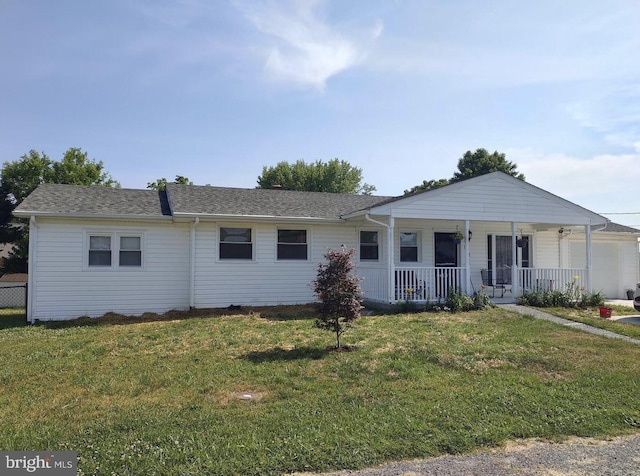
(605, 312)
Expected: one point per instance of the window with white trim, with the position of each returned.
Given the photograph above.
(409, 247)
(100, 250)
(369, 246)
(125, 247)
(236, 243)
(292, 244)
(130, 251)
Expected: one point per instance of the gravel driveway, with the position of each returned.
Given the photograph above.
(618, 456)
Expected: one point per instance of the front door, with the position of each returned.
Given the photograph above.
(446, 256)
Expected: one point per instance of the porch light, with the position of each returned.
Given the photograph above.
(470, 235)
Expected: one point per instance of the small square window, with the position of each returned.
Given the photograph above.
(235, 243)
(292, 244)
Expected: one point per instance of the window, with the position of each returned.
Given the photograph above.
(369, 246)
(130, 251)
(236, 243)
(503, 256)
(99, 250)
(409, 246)
(103, 247)
(292, 244)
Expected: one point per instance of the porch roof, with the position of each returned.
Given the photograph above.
(493, 197)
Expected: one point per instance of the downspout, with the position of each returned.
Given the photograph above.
(514, 260)
(391, 281)
(587, 231)
(31, 289)
(467, 257)
(192, 270)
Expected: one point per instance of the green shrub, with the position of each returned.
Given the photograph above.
(572, 296)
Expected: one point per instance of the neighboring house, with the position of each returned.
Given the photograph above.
(95, 249)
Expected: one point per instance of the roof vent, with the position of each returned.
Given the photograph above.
(276, 186)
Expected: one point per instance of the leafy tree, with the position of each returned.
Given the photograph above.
(339, 292)
(480, 162)
(76, 168)
(472, 164)
(161, 183)
(427, 185)
(20, 177)
(335, 176)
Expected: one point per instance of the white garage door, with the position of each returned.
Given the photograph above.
(606, 268)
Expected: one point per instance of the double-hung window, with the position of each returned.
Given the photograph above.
(409, 246)
(100, 250)
(130, 251)
(369, 249)
(292, 244)
(236, 243)
(114, 250)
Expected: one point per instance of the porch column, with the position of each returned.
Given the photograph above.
(514, 260)
(587, 232)
(467, 258)
(390, 258)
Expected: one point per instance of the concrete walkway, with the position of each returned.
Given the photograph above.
(528, 311)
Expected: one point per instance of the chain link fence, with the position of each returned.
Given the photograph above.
(14, 297)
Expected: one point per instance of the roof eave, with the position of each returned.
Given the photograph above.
(180, 216)
(89, 216)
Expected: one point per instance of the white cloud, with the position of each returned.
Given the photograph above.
(303, 48)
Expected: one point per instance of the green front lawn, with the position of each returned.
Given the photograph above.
(591, 316)
(167, 396)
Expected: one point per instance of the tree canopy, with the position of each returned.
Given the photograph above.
(335, 176)
(161, 183)
(20, 177)
(472, 164)
(480, 162)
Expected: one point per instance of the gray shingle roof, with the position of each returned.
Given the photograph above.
(207, 200)
(99, 201)
(93, 201)
(617, 228)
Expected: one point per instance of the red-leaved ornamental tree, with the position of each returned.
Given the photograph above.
(338, 290)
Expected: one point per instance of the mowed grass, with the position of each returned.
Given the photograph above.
(167, 395)
(591, 316)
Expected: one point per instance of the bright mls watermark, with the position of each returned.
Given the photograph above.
(47, 463)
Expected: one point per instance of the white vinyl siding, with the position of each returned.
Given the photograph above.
(266, 280)
(65, 287)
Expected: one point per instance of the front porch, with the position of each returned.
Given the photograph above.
(422, 284)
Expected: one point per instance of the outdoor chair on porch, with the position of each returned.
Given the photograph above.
(502, 280)
(409, 287)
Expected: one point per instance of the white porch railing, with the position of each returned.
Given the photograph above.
(412, 284)
(550, 279)
(433, 283)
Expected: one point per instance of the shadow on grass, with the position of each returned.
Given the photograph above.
(10, 319)
(278, 354)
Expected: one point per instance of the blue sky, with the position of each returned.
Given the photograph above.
(215, 90)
